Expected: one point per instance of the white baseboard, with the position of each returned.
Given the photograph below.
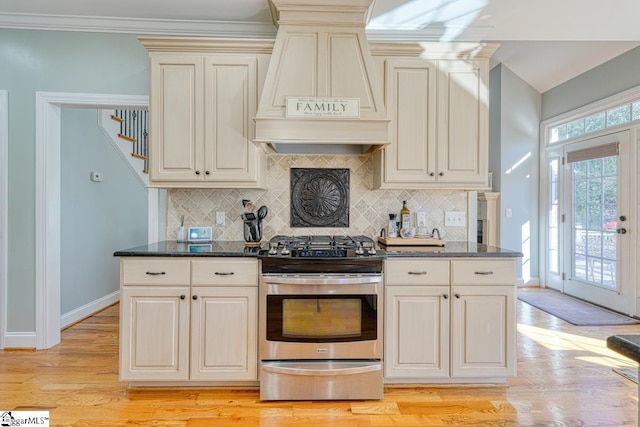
(533, 281)
(88, 309)
(20, 340)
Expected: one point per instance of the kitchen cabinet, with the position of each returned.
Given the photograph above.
(449, 319)
(203, 97)
(438, 108)
(188, 320)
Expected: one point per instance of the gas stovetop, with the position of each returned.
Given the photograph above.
(321, 247)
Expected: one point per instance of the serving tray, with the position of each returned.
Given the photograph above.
(398, 241)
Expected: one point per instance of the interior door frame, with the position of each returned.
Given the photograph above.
(4, 202)
(47, 232)
(622, 299)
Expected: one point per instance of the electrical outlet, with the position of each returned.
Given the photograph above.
(96, 176)
(220, 218)
(455, 219)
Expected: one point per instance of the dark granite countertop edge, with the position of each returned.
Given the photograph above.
(627, 345)
(238, 249)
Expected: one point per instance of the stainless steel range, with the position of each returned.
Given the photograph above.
(321, 318)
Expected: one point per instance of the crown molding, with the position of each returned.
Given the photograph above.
(137, 26)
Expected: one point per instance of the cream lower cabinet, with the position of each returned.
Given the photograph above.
(436, 328)
(188, 320)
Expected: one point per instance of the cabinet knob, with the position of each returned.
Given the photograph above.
(207, 172)
(445, 296)
(197, 172)
(183, 296)
(457, 296)
(195, 297)
(441, 174)
(431, 174)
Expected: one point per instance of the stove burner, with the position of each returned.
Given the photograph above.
(323, 246)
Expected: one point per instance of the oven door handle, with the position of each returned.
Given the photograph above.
(298, 369)
(322, 280)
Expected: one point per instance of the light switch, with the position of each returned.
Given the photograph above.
(455, 219)
(220, 219)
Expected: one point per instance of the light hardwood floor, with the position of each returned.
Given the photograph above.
(565, 378)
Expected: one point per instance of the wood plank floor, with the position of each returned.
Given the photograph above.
(565, 378)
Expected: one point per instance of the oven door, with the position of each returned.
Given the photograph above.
(328, 317)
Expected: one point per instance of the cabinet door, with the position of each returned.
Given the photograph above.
(483, 331)
(224, 333)
(175, 104)
(411, 105)
(463, 134)
(416, 332)
(154, 333)
(231, 99)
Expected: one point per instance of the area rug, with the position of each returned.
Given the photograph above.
(630, 374)
(573, 310)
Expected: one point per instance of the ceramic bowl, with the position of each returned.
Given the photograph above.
(408, 233)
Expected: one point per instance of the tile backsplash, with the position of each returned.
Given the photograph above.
(368, 214)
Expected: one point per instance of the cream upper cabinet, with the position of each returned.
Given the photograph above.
(438, 108)
(203, 98)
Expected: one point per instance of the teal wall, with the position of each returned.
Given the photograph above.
(614, 76)
(50, 61)
(97, 218)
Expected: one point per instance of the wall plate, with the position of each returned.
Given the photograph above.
(200, 234)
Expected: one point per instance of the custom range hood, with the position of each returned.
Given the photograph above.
(321, 93)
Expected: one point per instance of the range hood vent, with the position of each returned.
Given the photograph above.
(321, 89)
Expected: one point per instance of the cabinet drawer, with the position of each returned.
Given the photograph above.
(417, 271)
(161, 271)
(224, 271)
(490, 272)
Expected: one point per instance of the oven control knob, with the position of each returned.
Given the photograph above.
(372, 250)
(359, 249)
(273, 250)
(285, 251)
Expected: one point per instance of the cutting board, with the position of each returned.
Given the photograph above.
(398, 241)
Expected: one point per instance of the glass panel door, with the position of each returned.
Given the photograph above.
(595, 205)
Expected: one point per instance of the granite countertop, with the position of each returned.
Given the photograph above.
(627, 345)
(171, 248)
(451, 249)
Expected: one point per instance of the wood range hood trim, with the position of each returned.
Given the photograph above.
(321, 51)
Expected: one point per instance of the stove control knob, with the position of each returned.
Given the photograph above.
(285, 251)
(273, 250)
(372, 250)
(359, 249)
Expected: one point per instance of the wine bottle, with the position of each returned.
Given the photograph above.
(405, 216)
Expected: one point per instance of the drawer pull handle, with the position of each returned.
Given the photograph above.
(484, 273)
(218, 273)
(418, 273)
(155, 273)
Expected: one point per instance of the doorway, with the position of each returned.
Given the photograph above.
(48, 115)
(4, 197)
(594, 204)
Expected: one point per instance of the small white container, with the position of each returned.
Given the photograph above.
(181, 234)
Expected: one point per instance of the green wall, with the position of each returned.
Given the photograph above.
(51, 61)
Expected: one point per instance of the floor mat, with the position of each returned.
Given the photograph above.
(631, 374)
(573, 310)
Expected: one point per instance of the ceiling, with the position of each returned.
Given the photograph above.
(544, 42)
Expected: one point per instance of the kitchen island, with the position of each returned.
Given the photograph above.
(189, 314)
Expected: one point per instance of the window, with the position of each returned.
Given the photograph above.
(596, 121)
